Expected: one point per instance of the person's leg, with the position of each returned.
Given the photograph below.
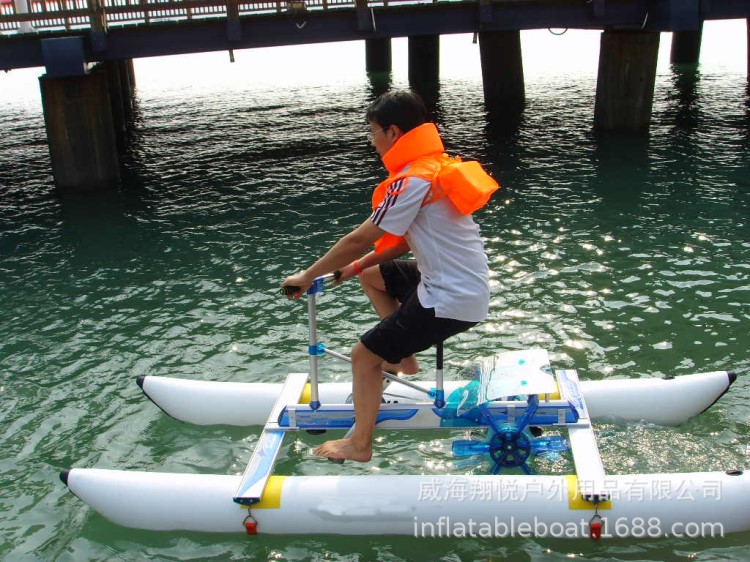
(373, 285)
(411, 329)
(368, 394)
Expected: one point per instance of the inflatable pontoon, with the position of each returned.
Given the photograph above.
(527, 409)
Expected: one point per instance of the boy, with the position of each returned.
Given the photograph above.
(421, 302)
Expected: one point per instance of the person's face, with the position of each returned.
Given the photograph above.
(383, 138)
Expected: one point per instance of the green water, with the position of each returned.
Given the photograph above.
(624, 257)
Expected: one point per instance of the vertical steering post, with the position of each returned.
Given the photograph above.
(439, 389)
(313, 351)
(314, 348)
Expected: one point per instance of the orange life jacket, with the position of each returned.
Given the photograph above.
(466, 184)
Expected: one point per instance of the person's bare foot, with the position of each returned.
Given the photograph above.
(407, 366)
(344, 449)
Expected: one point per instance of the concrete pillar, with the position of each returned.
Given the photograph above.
(424, 61)
(119, 83)
(80, 131)
(625, 84)
(118, 97)
(128, 64)
(378, 56)
(502, 72)
(686, 46)
(127, 85)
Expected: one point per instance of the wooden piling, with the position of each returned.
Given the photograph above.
(424, 61)
(378, 57)
(686, 46)
(502, 72)
(625, 84)
(80, 131)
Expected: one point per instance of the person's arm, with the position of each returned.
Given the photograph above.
(342, 253)
(370, 260)
(396, 213)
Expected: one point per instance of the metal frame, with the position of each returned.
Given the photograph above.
(569, 411)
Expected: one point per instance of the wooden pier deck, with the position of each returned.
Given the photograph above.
(125, 29)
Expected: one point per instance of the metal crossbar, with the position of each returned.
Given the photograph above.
(423, 416)
(586, 457)
(263, 459)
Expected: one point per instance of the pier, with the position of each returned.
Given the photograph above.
(87, 46)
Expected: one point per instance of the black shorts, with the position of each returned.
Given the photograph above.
(412, 328)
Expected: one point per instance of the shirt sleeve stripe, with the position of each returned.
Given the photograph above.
(390, 199)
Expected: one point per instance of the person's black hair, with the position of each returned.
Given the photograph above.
(403, 108)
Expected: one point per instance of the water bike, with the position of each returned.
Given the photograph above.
(525, 410)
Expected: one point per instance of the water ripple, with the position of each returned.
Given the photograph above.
(622, 257)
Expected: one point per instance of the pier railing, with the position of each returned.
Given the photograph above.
(68, 15)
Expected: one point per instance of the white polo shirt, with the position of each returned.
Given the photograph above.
(448, 248)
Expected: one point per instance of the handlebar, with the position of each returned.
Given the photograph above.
(317, 284)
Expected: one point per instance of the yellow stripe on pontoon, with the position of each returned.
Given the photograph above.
(575, 498)
(306, 393)
(555, 395)
(271, 498)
